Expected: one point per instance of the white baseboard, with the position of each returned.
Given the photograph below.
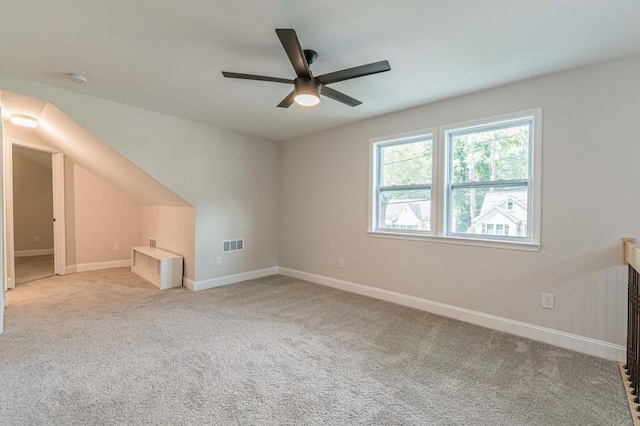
(85, 267)
(229, 279)
(562, 339)
(29, 253)
(188, 283)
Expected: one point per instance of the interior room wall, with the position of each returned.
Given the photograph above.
(104, 216)
(173, 228)
(589, 201)
(32, 201)
(23, 134)
(230, 178)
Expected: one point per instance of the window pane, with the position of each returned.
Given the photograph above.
(484, 211)
(488, 155)
(408, 210)
(406, 164)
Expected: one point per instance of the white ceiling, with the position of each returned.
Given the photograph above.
(167, 56)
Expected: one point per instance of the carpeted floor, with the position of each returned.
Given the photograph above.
(105, 347)
(33, 268)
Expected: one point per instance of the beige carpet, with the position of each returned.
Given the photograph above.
(33, 268)
(105, 347)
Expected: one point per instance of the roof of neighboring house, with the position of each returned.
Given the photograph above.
(420, 208)
(493, 201)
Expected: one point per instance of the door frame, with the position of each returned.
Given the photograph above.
(57, 176)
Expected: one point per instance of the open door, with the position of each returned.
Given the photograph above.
(59, 246)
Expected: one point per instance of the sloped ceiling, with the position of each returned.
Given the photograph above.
(60, 131)
(167, 56)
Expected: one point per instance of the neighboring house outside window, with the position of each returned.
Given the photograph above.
(495, 210)
(408, 214)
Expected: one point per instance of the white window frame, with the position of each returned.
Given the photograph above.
(439, 185)
(374, 178)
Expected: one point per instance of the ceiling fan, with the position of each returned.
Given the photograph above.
(307, 88)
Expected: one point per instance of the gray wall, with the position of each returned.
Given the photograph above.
(231, 179)
(589, 201)
(32, 199)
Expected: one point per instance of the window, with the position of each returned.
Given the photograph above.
(488, 167)
(471, 183)
(403, 184)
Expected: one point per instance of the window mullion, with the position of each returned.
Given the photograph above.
(437, 199)
(491, 183)
(403, 187)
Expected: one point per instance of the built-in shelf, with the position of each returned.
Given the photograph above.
(160, 267)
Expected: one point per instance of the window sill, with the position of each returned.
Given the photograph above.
(507, 245)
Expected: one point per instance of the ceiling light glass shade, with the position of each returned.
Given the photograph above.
(307, 91)
(307, 99)
(24, 121)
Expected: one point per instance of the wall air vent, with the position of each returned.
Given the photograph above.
(232, 245)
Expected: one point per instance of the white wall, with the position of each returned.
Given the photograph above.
(25, 135)
(173, 228)
(230, 178)
(589, 201)
(104, 216)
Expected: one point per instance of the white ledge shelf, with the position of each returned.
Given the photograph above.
(160, 267)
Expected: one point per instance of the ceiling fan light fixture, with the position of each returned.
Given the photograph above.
(307, 92)
(24, 121)
(306, 99)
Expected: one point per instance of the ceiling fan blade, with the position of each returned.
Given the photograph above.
(286, 102)
(361, 71)
(339, 96)
(256, 77)
(291, 45)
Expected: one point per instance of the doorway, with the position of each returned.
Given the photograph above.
(34, 212)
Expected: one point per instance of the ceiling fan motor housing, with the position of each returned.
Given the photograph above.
(309, 86)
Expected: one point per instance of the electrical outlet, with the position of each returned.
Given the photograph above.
(546, 300)
(218, 260)
(36, 239)
(116, 247)
(340, 263)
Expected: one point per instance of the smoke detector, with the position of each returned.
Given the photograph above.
(77, 78)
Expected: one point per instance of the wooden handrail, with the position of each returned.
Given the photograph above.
(630, 253)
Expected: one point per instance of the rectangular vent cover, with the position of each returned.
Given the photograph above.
(232, 245)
